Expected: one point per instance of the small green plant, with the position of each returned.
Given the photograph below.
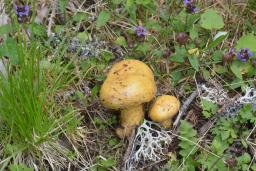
(209, 108)
(103, 164)
(214, 156)
(188, 139)
(188, 148)
(243, 161)
(28, 114)
(102, 124)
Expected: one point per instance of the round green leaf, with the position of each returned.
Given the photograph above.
(247, 41)
(210, 19)
(103, 18)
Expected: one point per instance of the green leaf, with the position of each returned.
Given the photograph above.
(242, 68)
(206, 74)
(144, 48)
(220, 69)
(177, 25)
(194, 62)
(157, 53)
(83, 36)
(9, 49)
(116, 2)
(95, 90)
(121, 41)
(179, 56)
(246, 113)
(191, 19)
(210, 19)
(253, 167)
(219, 37)
(207, 114)
(236, 69)
(143, 2)
(131, 8)
(193, 33)
(219, 146)
(247, 41)
(63, 4)
(225, 135)
(129, 3)
(108, 163)
(107, 56)
(236, 83)
(78, 17)
(38, 29)
(59, 28)
(217, 55)
(209, 108)
(187, 131)
(244, 143)
(103, 18)
(154, 24)
(184, 145)
(207, 161)
(176, 77)
(5, 29)
(185, 126)
(245, 158)
(113, 141)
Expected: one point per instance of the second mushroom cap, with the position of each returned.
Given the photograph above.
(164, 109)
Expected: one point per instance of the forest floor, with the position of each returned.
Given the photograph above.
(55, 55)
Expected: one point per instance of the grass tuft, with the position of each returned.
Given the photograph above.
(28, 115)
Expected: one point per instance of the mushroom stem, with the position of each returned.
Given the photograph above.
(166, 123)
(130, 118)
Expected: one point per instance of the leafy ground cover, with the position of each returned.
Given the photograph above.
(55, 55)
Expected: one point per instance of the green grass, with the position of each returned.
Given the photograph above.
(29, 115)
(22, 99)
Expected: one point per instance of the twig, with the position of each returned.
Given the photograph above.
(215, 162)
(254, 129)
(252, 149)
(54, 7)
(129, 149)
(253, 153)
(185, 106)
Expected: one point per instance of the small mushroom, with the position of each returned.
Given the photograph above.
(164, 109)
(128, 85)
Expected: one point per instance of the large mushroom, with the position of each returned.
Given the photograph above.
(129, 84)
(163, 109)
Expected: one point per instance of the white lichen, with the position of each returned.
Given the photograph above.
(215, 95)
(219, 96)
(85, 49)
(249, 96)
(149, 144)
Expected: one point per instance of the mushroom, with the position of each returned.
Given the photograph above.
(164, 109)
(128, 85)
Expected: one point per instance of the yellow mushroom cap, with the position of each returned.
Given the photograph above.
(128, 83)
(130, 67)
(165, 107)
